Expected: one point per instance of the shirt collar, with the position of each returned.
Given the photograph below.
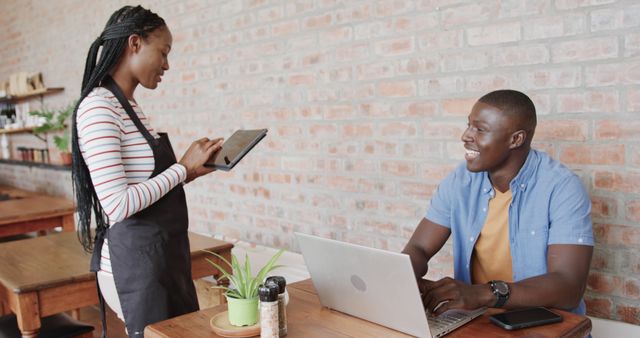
(521, 180)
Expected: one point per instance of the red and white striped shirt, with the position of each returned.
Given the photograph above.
(120, 160)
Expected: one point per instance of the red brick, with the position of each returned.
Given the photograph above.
(418, 190)
(604, 207)
(376, 70)
(395, 47)
(632, 288)
(589, 101)
(572, 4)
(428, 64)
(628, 313)
(606, 19)
(494, 34)
(391, 8)
(604, 284)
(441, 86)
(568, 24)
(633, 210)
(322, 130)
(396, 89)
(318, 21)
(552, 78)
(617, 130)
(599, 307)
(417, 21)
(617, 235)
(342, 183)
(469, 14)
(604, 154)
(612, 74)
(547, 147)
(355, 13)
(374, 110)
(361, 166)
(460, 61)
(443, 130)
(635, 155)
(340, 112)
(520, 55)
(441, 40)
(566, 130)
(458, 107)
(398, 129)
(617, 181)
(632, 44)
(376, 186)
(281, 29)
(584, 50)
(336, 35)
(417, 109)
(490, 82)
(633, 100)
(358, 130)
(302, 79)
(399, 168)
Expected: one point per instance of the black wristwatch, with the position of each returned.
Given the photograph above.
(501, 290)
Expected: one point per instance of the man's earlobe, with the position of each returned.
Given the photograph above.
(518, 138)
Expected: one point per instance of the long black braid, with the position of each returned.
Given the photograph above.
(124, 22)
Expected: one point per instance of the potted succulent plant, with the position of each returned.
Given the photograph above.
(55, 121)
(242, 294)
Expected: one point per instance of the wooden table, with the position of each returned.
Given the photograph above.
(50, 274)
(307, 318)
(27, 211)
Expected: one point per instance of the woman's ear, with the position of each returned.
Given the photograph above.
(134, 42)
(518, 138)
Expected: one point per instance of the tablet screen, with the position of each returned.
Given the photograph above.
(235, 147)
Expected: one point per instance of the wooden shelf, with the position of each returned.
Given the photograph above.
(37, 93)
(16, 131)
(36, 164)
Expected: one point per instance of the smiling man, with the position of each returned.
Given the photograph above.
(520, 221)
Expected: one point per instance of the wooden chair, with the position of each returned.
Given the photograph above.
(56, 326)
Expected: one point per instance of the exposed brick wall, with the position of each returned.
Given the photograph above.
(365, 102)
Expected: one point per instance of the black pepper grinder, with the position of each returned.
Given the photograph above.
(282, 306)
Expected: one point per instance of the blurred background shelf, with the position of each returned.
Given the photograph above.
(36, 164)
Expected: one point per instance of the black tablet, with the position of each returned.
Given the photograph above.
(234, 148)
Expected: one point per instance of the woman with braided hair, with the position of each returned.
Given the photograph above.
(128, 175)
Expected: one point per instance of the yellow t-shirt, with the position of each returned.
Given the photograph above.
(491, 257)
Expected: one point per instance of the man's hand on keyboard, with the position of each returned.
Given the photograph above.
(448, 293)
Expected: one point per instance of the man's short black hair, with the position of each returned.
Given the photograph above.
(515, 104)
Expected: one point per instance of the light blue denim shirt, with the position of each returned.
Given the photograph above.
(549, 206)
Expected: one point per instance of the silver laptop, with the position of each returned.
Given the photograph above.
(375, 285)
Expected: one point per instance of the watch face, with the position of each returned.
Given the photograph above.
(502, 288)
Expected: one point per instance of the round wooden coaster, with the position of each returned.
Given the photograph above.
(221, 326)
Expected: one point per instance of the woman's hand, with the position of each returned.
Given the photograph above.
(197, 155)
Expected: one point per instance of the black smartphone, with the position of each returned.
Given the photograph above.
(518, 319)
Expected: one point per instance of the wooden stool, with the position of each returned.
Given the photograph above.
(56, 326)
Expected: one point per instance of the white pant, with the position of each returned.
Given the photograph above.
(108, 290)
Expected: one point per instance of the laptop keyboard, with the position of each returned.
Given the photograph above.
(446, 321)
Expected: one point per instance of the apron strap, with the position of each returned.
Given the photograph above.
(110, 84)
(103, 316)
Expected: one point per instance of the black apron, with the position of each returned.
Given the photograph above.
(150, 255)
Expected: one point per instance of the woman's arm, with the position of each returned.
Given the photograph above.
(100, 131)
